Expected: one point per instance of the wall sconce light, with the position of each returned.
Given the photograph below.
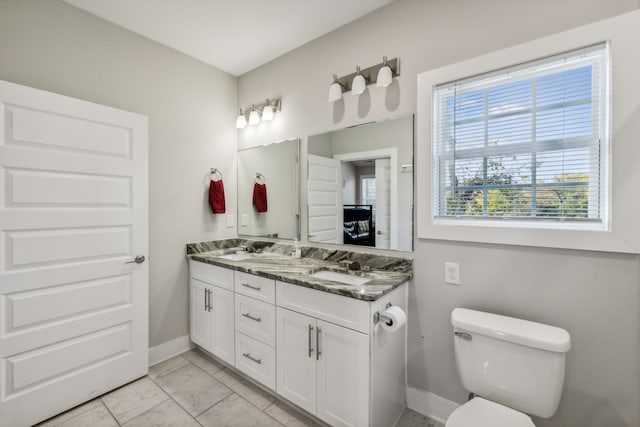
(241, 121)
(335, 90)
(261, 112)
(381, 74)
(385, 74)
(358, 84)
(254, 116)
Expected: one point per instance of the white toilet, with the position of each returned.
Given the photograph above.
(513, 367)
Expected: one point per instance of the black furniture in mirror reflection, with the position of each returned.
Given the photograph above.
(358, 225)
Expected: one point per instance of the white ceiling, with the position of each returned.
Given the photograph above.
(233, 35)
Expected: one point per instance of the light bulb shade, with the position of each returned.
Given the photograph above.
(384, 76)
(267, 113)
(254, 118)
(241, 121)
(358, 85)
(335, 92)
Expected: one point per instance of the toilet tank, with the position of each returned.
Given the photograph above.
(515, 362)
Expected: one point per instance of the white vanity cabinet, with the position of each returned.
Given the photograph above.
(212, 313)
(323, 368)
(330, 356)
(255, 325)
(321, 351)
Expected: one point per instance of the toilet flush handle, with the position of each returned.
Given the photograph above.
(464, 335)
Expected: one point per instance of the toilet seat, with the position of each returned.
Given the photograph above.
(479, 412)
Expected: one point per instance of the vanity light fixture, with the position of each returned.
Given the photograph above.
(267, 112)
(241, 121)
(385, 75)
(335, 90)
(358, 84)
(258, 112)
(381, 74)
(254, 116)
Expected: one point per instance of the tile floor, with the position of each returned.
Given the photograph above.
(194, 390)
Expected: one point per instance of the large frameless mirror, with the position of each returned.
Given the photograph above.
(268, 191)
(360, 183)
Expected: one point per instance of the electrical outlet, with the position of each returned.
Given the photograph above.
(230, 221)
(245, 220)
(452, 273)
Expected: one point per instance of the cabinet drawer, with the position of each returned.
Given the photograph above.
(212, 274)
(256, 319)
(257, 287)
(256, 359)
(348, 312)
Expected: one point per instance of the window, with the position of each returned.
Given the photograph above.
(525, 143)
(368, 190)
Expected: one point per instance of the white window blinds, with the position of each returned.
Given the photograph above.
(526, 142)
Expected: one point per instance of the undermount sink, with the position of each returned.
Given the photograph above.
(238, 256)
(334, 276)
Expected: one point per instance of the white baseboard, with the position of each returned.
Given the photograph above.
(167, 350)
(433, 406)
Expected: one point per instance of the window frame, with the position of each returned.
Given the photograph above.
(619, 231)
(601, 119)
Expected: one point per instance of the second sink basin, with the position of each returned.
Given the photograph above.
(334, 276)
(236, 256)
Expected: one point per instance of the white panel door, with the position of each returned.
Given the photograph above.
(73, 214)
(325, 200)
(296, 358)
(383, 203)
(343, 375)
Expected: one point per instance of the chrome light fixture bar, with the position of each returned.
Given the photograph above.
(258, 112)
(381, 74)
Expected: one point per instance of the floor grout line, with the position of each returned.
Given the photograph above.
(109, 410)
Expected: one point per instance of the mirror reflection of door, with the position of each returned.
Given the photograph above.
(376, 182)
(367, 188)
(383, 204)
(324, 200)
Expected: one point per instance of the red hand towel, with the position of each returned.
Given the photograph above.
(260, 197)
(216, 197)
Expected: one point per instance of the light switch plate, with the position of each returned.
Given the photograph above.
(230, 221)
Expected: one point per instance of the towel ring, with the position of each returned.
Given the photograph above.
(259, 177)
(214, 171)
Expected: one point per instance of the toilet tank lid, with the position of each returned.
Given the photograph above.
(518, 331)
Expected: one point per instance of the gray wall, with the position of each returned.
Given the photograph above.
(593, 295)
(191, 107)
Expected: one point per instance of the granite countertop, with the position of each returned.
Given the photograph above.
(272, 260)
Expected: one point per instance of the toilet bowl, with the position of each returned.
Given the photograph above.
(514, 367)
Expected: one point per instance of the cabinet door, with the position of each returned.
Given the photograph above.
(296, 358)
(201, 325)
(222, 309)
(343, 375)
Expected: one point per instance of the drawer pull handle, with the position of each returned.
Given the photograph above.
(310, 333)
(248, 356)
(255, 288)
(248, 316)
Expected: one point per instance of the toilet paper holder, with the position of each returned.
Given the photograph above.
(377, 315)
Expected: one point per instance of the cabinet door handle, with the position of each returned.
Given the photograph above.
(255, 288)
(318, 352)
(248, 316)
(310, 333)
(248, 356)
(206, 299)
(210, 305)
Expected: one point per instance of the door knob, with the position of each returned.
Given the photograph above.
(138, 260)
